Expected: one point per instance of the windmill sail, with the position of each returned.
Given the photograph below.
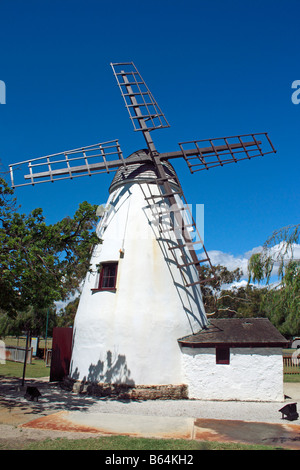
(146, 116)
(98, 158)
(205, 154)
(143, 110)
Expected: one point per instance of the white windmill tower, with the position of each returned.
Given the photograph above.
(144, 290)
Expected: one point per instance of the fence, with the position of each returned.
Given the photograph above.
(291, 364)
(17, 354)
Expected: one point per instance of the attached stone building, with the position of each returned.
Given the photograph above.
(234, 359)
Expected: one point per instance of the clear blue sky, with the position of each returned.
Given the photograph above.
(215, 67)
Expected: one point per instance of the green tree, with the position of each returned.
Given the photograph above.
(282, 304)
(245, 301)
(29, 321)
(277, 252)
(281, 301)
(41, 263)
(225, 301)
(67, 314)
(218, 278)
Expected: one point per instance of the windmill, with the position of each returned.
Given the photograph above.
(144, 289)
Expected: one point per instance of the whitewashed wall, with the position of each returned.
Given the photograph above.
(254, 374)
(130, 335)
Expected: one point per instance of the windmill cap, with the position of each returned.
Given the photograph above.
(141, 172)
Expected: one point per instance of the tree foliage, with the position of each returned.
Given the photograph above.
(244, 301)
(281, 302)
(277, 252)
(67, 314)
(224, 300)
(30, 321)
(219, 278)
(41, 263)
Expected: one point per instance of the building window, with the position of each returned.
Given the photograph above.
(222, 355)
(108, 276)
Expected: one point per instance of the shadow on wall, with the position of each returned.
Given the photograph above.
(112, 371)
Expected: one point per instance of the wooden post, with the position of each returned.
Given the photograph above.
(25, 360)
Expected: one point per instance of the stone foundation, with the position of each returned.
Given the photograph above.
(127, 392)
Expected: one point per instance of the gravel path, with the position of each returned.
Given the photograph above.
(16, 410)
(54, 399)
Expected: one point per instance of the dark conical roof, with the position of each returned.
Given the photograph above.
(140, 172)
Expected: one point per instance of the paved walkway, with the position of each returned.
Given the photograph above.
(279, 435)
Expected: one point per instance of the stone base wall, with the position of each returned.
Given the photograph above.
(127, 392)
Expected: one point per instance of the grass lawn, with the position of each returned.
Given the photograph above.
(34, 371)
(21, 341)
(291, 378)
(133, 443)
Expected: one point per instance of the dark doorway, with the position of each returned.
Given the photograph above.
(61, 353)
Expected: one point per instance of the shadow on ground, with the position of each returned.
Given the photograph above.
(53, 397)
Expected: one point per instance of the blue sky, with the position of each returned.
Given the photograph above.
(216, 68)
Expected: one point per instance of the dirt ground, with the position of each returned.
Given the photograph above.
(14, 438)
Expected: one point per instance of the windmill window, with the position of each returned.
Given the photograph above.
(222, 355)
(108, 276)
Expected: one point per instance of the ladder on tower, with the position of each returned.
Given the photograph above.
(177, 219)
